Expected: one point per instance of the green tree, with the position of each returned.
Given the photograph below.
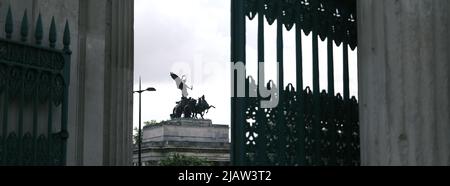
(149, 123)
(182, 160)
(135, 135)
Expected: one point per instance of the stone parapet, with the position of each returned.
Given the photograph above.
(186, 130)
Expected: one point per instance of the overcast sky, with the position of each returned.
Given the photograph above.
(192, 38)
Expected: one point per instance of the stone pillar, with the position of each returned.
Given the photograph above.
(118, 83)
(106, 82)
(404, 87)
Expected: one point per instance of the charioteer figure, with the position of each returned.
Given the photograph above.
(181, 84)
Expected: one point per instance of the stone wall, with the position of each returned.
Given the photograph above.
(404, 87)
(154, 152)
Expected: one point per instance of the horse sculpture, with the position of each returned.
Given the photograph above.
(202, 107)
(191, 108)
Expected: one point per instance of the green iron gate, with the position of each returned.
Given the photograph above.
(34, 84)
(308, 127)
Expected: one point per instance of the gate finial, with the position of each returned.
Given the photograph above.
(24, 27)
(9, 23)
(38, 34)
(66, 37)
(52, 34)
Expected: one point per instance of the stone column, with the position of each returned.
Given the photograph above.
(118, 84)
(404, 87)
(106, 83)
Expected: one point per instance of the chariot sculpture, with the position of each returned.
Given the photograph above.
(188, 107)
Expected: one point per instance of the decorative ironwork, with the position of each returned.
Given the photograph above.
(308, 127)
(33, 77)
(31, 56)
(265, 131)
(336, 19)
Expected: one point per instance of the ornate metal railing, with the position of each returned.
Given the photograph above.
(307, 127)
(34, 84)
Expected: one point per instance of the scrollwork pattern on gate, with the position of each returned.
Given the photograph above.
(264, 130)
(33, 80)
(335, 18)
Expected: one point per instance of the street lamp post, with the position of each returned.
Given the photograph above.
(140, 91)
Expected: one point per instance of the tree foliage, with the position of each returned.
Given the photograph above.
(135, 135)
(149, 123)
(182, 160)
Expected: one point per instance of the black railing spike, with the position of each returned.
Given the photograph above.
(39, 33)
(24, 27)
(52, 34)
(9, 23)
(66, 37)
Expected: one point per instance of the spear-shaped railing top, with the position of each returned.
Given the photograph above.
(38, 33)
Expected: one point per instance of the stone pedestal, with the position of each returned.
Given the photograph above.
(199, 138)
(186, 130)
(404, 87)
